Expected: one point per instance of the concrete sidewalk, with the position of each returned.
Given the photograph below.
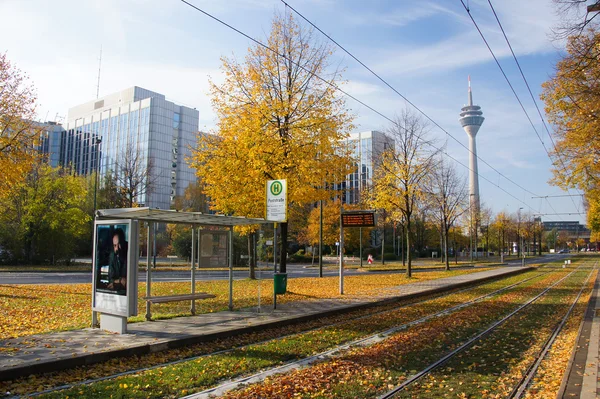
(581, 379)
(51, 352)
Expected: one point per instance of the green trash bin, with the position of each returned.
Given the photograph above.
(280, 281)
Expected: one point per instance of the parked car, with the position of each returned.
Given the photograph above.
(563, 251)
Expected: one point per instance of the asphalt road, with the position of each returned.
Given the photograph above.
(294, 271)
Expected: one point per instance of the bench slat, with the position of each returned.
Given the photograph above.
(176, 298)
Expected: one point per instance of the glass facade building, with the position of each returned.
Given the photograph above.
(366, 148)
(160, 133)
(49, 142)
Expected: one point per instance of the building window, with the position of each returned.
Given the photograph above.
(176, 120)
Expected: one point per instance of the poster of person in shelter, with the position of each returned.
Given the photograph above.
(111, 258)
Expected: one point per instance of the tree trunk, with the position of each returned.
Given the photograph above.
(443, 258)
(408, 251)
(446, 249)
(383, 245)
(402, 248)
(283, 250)
(252, 274)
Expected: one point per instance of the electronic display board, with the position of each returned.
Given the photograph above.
(358, 219)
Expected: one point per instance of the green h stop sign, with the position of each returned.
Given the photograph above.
(276, 200)
(276, 188)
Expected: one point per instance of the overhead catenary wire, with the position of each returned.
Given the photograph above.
(337, 88)
(553, 210)
(504, 74)
(467, 9)
(558, 154)
(418, 109)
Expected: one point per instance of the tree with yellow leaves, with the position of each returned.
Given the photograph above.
(501, 224)
(399, 181)
(18, 130)
(279, 117)
(572, 98)
(448, 197)
(331, 226)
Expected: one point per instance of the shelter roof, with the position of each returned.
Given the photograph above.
(174, 216)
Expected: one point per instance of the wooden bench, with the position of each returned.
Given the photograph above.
(177, 298)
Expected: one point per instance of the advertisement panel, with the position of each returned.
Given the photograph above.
(276, 200)
(114, 266)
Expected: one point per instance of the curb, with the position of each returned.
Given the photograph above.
(572, 381)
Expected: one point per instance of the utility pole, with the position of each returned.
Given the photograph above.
(520, 239)
(341, 250)
(321, 238)
(97, 142)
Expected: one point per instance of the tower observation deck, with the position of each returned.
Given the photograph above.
(471, 120)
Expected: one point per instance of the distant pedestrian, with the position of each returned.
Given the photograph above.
(370, 259)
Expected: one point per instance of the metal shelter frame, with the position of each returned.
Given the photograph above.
(195, 219)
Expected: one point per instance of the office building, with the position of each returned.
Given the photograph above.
(49, 142)
(574, 229)
(366, 148)
(99, 134)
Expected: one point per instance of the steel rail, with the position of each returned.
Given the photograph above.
(525, 381)
(369, 340)
(470, 342)
(224, 351)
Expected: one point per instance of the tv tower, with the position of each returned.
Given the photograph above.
(471, 120)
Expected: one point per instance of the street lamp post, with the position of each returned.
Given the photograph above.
(520, 238)
(98, 141)
(321, 238)
(95, 322)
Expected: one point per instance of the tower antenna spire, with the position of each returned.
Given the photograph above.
(470, 93)
(99, 67)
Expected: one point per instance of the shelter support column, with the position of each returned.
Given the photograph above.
(95, 322)
(230, 260)
(341, 252)
(194, 246)
(148, 270)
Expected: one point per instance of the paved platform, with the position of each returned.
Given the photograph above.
(582, 377)
(68, 349)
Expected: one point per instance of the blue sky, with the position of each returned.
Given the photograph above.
(425, 49)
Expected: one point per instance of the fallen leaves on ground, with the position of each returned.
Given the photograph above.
(42, 308)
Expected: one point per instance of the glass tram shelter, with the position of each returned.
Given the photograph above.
(116, 257)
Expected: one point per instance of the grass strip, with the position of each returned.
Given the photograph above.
(495, 365)
(363, 372)
(272, 353)
(24, 308)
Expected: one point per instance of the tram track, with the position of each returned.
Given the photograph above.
(520, 389)
(524, 382)
(348, 372)
(341, 347)
(369, 340)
